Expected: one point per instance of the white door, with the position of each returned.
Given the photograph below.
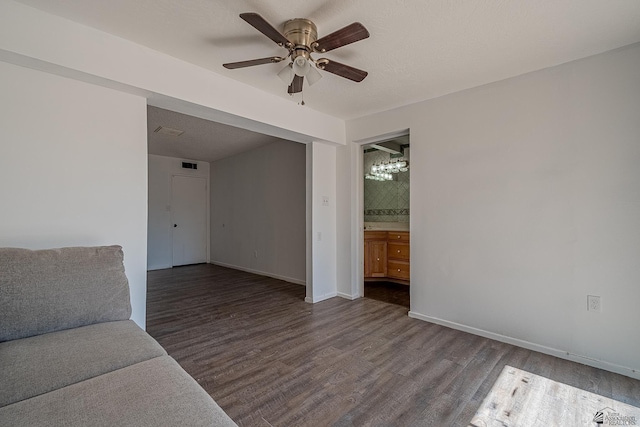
(189, 207)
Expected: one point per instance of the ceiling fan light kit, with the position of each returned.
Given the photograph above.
(301, 66)
(286, 74)
(300, 38)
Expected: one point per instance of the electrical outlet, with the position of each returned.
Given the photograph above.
(593, 303)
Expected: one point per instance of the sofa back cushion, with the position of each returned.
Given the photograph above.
(53, 289)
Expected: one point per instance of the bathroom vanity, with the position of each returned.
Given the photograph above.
(387, 254)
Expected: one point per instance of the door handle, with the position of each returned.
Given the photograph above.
(175, 225)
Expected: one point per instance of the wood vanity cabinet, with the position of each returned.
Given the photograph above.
(375, 254)
(398, 255)
(387, 255)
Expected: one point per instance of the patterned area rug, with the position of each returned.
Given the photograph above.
(519, 398)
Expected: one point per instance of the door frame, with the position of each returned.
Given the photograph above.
(357, 232)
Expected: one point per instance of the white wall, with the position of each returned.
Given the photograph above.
(346, 285)
(322, 160)
(160, 230)
(529, 190)
(73, 169)
(258, 204)
(525, 198)
(66, 48)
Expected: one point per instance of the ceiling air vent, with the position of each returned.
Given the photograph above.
(168, 131)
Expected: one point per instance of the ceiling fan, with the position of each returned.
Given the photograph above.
(300, 38)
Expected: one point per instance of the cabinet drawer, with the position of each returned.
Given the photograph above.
(398, 236)
(375, 235)
(398, 269)
(398, 251)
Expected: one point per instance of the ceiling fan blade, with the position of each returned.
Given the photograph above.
(252, 62)
(260, 24)
(296, 84)
(341, 70)
(344, 36)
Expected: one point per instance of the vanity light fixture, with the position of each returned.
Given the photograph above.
(384, 171)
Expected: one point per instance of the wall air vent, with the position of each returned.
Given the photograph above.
(187, 165)
(168, 131)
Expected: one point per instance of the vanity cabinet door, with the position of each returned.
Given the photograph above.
(375, 258)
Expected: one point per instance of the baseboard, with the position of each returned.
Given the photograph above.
(562, 354)
(320, 298)
(261, 273)
(347, 296)
(159, 267)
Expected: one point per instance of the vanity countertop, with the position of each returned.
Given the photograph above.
(386, 226)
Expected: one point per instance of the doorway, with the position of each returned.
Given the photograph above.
(189, 209)
(386, 215)
(253, 207)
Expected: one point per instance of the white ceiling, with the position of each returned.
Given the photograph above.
(417, 50)
(202, 139)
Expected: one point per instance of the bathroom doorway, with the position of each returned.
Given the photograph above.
(387, 241)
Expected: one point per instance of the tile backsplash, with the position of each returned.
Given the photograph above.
(386, 201)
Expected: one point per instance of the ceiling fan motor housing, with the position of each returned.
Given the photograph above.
(302, 33)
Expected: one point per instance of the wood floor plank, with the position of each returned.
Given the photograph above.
(270, 359)
(522, 398)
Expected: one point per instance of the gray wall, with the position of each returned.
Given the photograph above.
(527, 199)
(258, 204)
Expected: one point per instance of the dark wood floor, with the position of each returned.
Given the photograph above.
(393, 293)
(269, 358)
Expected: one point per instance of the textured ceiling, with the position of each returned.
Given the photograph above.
(202, 139)
(417, 50)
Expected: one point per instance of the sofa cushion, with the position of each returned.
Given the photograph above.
(49, 290)
(157, 392)
(36, 365)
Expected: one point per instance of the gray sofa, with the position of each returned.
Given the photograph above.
(70, 356)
